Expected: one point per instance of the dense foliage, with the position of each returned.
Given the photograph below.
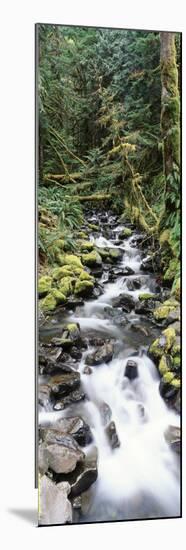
(100, 126)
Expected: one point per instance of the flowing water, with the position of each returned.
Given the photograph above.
(139, 479)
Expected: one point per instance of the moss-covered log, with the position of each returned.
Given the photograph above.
(100, 197)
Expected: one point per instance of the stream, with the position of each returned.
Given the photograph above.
(139, 478)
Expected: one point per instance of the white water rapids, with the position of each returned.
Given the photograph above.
(141, 477)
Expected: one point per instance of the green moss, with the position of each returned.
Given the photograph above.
(170, 336)
(86, 245)
(59, 296)
(60, 244)
(69, 259)
(164, 237)
(93, 226)
(176, 361)
(163, 366)
(44, 285)
(162, 312)
(92, 260)
(176, 349)
(66, 285)
(176, 289)
(84, 276)
(169, 378)
(114, 254)
(83, 288)
(172, 269)
(49, 303)
(103, 252)
(126, 232)
(60, 272)
(81, 235)
(147, 296)
(164, 343)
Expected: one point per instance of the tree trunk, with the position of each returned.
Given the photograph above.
(170, 120)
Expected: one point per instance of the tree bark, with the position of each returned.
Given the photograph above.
(170, 118)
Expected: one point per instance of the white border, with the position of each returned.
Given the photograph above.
(17, 266)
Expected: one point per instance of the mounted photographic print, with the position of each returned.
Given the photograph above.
(108, 376)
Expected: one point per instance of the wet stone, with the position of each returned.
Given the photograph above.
(112, 435)
(73, 397)
(131, 370)
(103, 354)
(173, 437)
(62, 385)
(105, 412)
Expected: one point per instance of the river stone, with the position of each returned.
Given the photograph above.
(85, 474)
(105, 412)
(125, 301)
(173, 437)
(131, 369)
(62, 384)
(49, 354)
(103, 354)
(127, 271)
(61, 452)
(54, 506)
(112, 435)
(168, 391)
(77, 427)
(134, 284)
(73, 397)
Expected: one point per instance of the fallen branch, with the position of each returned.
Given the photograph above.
(99, 197)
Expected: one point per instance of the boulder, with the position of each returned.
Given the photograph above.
(83, 288)
(163, 344)
(125, 301)
(115, 254)
(73, 397)
(60, 452)
(131, 369)
(76, 427)
(44, 286)
(93, 259)
(62, 384)
(87, 370)
(54, 506)
(112, 435)
(85, 475)
(134, 284)
(125, 233)
(127, 271)
(103, 354)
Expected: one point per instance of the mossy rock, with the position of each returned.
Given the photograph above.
(86, 246)
(59, 296)
(92, 259)
(84, 276)
(126, 232)
(170, 378)
(162, 312)
(164, 364)
(93, 226)
(103, 252)
(147, 296)
(60, 272)
(164, 343)
(66, 285)
(115, 254)
(172, 270)
(60, 243)
(69, 259)
(176, 361)
(81, 235)
(44, 285)
(176, 291)
(83, 288)
(48, 303)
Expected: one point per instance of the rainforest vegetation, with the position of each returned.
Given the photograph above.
(109, 273)
(109, 131)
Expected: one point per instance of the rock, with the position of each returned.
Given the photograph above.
(93, 259)
(84, 288)
(145, 307)
(147, 296)
(73, 397)
(105, 412)
(74, 301)
(70, 335)
(125, 233)
(115, 254)
(112, 435)
(62, 384)
(87, 370)
(131, 369)
(76, 503)
(48, 303)
(61, 452)
(103, 354)
(127, 271)
(54, 506)
(44, 286)
(86, 246)
(133, 284)
(173, 438)
(75, 426)
(83, 476)
(169, 387)
(125, 301)
(151, 263)
(141, 411)
(43, 395)
(163, 344)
